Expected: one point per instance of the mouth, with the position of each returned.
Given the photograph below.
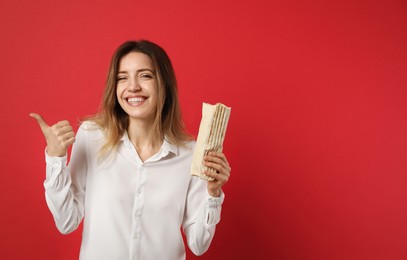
(135, 101)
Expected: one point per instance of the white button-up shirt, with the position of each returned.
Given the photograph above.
(131, 209)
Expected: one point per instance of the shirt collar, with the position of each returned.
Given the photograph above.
(166, 147)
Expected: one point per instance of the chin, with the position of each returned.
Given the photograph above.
(142, 116)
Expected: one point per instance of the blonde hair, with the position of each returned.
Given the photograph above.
(168, 123)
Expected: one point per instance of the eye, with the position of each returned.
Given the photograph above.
(121, 78)
(146, 76)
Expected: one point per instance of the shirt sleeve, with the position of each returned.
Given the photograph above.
(65, 186)
(202, 214)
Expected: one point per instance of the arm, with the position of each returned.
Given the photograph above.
(204, 204)
(65, 186)
(64, 192)
(201, 216)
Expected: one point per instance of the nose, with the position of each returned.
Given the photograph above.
(134, 85)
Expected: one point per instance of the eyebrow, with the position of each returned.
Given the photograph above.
(138, 71)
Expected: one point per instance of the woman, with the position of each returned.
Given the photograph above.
(129, 172)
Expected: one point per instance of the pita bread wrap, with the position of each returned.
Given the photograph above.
(211, 135)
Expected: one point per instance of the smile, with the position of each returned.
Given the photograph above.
(135, 101)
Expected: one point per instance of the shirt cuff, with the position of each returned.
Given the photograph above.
(215, 202)
(53, 159)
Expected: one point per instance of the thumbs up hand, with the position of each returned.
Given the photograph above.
(59, 136)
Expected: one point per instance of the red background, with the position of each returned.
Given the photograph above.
(318, 133)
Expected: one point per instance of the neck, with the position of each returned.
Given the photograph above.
(140, 134)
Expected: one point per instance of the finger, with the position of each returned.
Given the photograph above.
(217, 160)
(62, 130)
(218, 167)
(221, 178)
(62, 123)
(66, 136)
(40, 121)
(223, 157)
(69, 141)
(219, 155)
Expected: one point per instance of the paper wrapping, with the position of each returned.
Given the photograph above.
(211, 135)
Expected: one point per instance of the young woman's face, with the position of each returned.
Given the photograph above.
(137, 86)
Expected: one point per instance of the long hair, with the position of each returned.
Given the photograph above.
(168, 123)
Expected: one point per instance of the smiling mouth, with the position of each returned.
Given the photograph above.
(136, 100)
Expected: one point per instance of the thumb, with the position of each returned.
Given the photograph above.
(40, 121)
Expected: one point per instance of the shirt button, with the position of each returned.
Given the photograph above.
(136, 235)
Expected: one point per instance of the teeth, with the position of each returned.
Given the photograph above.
(136, 99)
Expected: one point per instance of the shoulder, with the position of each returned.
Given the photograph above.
(90, 129)
(187, 147)
(183, 150)
(89, 126)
